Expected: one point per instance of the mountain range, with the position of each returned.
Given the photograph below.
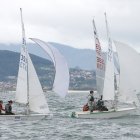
(76, 58)
(81, 64)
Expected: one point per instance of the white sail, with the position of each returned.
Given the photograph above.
(100, 64)
(61, 81)
(37, 100)
(21, 89)
(129, 61)
(108, 90)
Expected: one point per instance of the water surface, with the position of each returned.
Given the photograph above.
(62, 127)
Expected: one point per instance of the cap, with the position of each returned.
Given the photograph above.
(91, 91)
(10, 101)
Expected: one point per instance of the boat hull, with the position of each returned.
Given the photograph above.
(104, 114)
(31, 117)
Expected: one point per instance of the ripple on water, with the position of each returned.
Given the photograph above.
(62, 127)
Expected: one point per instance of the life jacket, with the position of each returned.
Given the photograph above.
(8, 108)
(85, 107)
(92, 98)
(100, 103)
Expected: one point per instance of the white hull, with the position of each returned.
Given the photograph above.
(104, 114)
(31, 117)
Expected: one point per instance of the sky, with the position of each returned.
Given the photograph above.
(70, 21)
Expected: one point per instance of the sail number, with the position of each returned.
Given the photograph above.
(98, 47)
(23, 58)
(23, 62)
(100, 63)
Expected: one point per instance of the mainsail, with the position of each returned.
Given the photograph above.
(21, 89)
(108, 90)
(129, 61)
(61, 81)
(100, 64)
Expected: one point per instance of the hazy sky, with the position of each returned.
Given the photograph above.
(70, 21)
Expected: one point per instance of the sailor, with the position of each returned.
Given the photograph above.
(1, 107)
(91, 102)
(100, 105)
(8, 108)
(86, 107)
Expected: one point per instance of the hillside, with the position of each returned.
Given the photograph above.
(79, 79)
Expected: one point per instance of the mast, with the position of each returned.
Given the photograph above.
(26, 58)
(110, 59)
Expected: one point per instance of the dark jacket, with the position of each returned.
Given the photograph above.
(8, 108)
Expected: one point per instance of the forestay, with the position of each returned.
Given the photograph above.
(61, 81)
(100, 64)
(129, 61)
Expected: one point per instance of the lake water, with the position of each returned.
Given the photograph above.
(62, 127)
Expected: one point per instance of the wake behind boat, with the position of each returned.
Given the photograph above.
(105, 75)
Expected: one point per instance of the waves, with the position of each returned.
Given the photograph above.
(62, 127)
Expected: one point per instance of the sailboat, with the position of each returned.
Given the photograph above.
(105, 83)
(29, 91)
